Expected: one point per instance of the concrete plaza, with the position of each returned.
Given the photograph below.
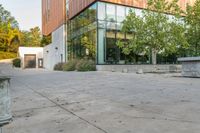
(102, 102)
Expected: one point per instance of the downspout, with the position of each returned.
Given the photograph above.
(65, 32)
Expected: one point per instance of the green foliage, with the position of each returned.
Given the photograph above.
(59, 67)
(193, 28)
(70, 66)
(155, 30)
(85, 65)
(134, 26)
(79, 65)
(17, 62)
(9, 32)
(31, 38)
(5, 17)
(88, 42)
(7, 55)
(164, 33)
(46, 40)
(11, 37)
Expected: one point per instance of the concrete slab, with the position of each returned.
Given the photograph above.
(102, 102)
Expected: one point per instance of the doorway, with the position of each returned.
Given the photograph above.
(29, 61)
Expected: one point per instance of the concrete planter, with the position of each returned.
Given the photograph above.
(190, 67)
(140, 68)
(5, 101)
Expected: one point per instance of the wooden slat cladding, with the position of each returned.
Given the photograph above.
(143, 3)
(53, 15)
(75, 6)
(134, 3)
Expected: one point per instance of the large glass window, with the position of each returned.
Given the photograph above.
(110, 12)
(128, 9)
(111, 49)
(101, 46)
(138, 12)
(82, 34)
(120, 34)
(67, 8)
(92, 13)
(101, 11)
(121, 13)
(110, 32)
(99, 27)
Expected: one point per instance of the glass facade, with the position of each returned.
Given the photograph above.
(110, 19)
(95, 32)
(82, 35)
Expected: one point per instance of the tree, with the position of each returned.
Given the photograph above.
(31, 38)
(88, 42)
(155, 30)
(46, 40)
(5, 17)
(9, 31)
(134, 26)
(11, 37)
(193, 28)
(35, 36)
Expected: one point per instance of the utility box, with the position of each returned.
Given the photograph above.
(5, 101)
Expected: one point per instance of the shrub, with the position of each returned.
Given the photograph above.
(86, 65)
(16, 62)
(7, 55)
(59, 67)
(70, 66)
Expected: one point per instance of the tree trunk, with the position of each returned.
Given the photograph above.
(154, 57)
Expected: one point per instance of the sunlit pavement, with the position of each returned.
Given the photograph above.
(102, 102)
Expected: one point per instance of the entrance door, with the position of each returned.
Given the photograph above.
(40, 63)
(30, 61)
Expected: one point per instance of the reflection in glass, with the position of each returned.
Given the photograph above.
(101, 11)
(110, 31)
(120, 13)
(101, 44)
(110, 12)
(82, 34)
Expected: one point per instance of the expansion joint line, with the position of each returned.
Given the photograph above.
(65, 109)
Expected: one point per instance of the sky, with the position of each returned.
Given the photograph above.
(26, 12)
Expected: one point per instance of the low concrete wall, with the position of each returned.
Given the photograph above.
(140, 68)
(190, 66)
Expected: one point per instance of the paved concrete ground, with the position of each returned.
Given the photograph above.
(102, 102)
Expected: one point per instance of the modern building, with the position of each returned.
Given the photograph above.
(91, 28)
(31, 57)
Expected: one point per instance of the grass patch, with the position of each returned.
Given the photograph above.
(7, 55)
